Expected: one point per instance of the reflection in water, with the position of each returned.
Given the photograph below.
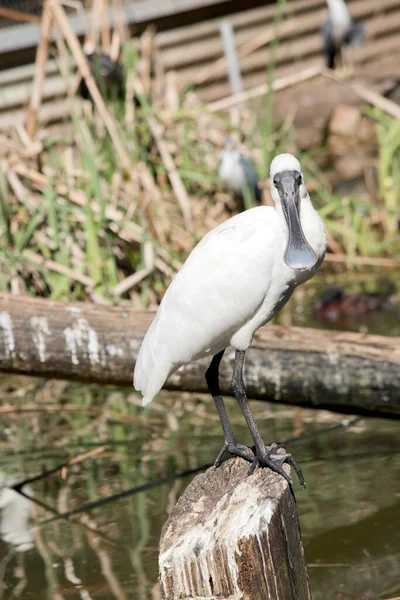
(370, 547)
(349, 512)
(16, 511)
(364, 307)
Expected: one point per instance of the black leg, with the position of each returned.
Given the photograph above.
(230, 443)
(270, 458)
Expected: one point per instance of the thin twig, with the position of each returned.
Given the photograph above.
(50, 408)
(129, 282)
(174, 177)
(372, 261)
(69, 463)
(131, 232)
(18, 15)
(261, 90)
(369, 96)
(134, 490)
(344, 425)
(288, 28)
(62, 20)
(42, 54)
(52, 510)
(354, 596)
(51, 265)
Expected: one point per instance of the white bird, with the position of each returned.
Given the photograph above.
(16, 512)
(340, 31)
(233, 282)
(238, 174)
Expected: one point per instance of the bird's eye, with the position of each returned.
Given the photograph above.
(275, 181)
(299, 179)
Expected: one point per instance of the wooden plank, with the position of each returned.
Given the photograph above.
(299, 37)
(52, 111)
(299, 48)
(25, 73)
(18, 15)
(253, 69)
(13, 98)
(42, 55)
(242, 20)
(336, 370)
(143, 11)
(301, 9)
(382, 40)
(294, 28)
(19, 94)
(232, 536)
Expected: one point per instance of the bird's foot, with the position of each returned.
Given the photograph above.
(235, 449)
(342, 72)
(275, 461)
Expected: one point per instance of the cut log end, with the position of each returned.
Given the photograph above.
(234, 536)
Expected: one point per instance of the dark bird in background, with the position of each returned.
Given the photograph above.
(335, 304)
(238, 174)
(340, 32)
(109, 76)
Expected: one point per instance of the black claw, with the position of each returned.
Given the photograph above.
(253, 466)
(218, 460)
(236, 450)
(290, 460)
(275, 462)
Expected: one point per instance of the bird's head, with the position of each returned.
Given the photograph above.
(229, 143)
(288, 190)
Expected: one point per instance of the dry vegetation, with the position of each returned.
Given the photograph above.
(107, 205)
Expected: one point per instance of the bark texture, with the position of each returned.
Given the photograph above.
(350, 372)
(234, 536)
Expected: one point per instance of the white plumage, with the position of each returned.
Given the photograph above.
(238, 174)
(341, 20)
(340, 32)
(233, 282)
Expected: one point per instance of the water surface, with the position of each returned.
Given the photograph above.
(349, 512)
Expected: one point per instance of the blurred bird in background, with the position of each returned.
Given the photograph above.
(108, 74)
(340, 34)
(238, 175)
(335, 304)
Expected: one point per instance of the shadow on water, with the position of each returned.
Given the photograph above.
(349, 512)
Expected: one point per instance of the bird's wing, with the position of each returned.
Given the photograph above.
(219, 288)
(251, 178)
(357, 34)
(249, 170)
(328, 43)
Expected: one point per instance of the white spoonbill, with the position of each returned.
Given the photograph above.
(238, 174)
(340, 32)
(235, 280)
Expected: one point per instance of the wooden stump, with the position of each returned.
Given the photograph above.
(234, 536)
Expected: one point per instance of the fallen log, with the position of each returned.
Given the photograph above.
(234, 536)
(349, 372)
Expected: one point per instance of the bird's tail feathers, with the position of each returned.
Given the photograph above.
(357, 34)
(146, 400)
(150, 372)
(152, 381)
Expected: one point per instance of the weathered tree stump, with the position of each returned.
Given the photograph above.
(234, 536)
